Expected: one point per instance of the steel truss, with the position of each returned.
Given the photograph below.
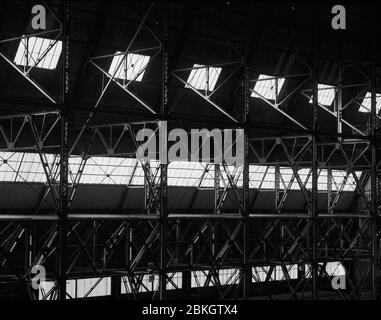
(161, 242)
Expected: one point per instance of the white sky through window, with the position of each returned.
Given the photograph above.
(131, 67)
(326, 94)
(266, 86)
(203, 78)
(366, 103)
(80, 288)
(26, 167)
(38, 52)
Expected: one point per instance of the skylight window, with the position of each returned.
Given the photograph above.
(181, 173)
(228, 276)
(326, 94)
(266, 87)
(199, 278)
(366, 103)
(38, 52)
(79, 288)
(203, 78)
(259, 274)
(279, 275)
(174, 281)
(131, 68)
(104, 170)
(27, 167)
(150, 282)
(333, 268)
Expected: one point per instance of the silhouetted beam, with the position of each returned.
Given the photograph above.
(256, 33)
(176, 216)
(91, 47)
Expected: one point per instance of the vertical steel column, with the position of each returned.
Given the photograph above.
(64, 158)
(339, 101)
(246, 269)
(329, 190)
(28, 255)
(116, 286)
(373, 176)
(217, 183)
(147, 192)
(277, 186)
(314, 195)
(164, 166)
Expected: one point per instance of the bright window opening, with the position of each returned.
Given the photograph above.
(132, 67)
(79, 288)
(333, 268)
(326, 94)
(259, 273)
(93, 287)
(27, 167)
(268, 87)
(199, 278)
(182, 173)
(228, 276)
(144, 283)
(46, 288)
(203, 78)
(150, 282)
(280, 275)
(366, 103)
(38, 52)
(174, 281)
(103, 170)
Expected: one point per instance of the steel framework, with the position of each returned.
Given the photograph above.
(163, 242)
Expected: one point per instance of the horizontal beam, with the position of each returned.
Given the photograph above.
(175, 216)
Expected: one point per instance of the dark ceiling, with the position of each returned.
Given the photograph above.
(280, 41)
